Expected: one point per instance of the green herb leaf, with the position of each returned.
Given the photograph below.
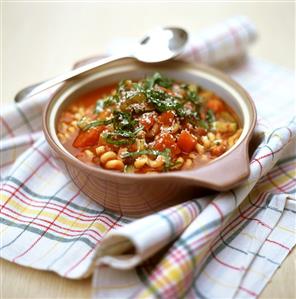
(112, 140)
(84, 126)
(123, 121)
(125, 134)
(210, 117)
(143, 152)
(157, 78)
(109, 101)
(167, 158)
(121, 137)
(203, 124)
(192, 94)
(162, 101)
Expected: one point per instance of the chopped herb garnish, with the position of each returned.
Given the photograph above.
(84, 125)
(210, 116)
(203, 124)
(157, 78)
(192, 94)
(120, 137)
(103, 103)
(139, 153)
(123, 121)
(162, 101)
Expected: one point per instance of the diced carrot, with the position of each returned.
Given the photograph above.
(167, 118)
(88, 138)
(216, 105)
(186, 142)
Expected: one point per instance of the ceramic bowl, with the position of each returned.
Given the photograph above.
(137, 194)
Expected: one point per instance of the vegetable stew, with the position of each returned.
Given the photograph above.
(152, 125)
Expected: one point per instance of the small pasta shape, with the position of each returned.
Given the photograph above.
(71, 129)
(178, 164)
(141, 134)
(100, 150)
(81, 110)
(140, 144)
(114, 165)
(108, 156)
(206, 142)
(211, 136)
(192, 155)
(175, 127)
(74, 108)
(154, 130)
(158, 162)
(141, 161)
(188, 163)
(204, 158)
(232, 139)
(89, 154)
(77, 116)
(63, 127)
(200, 149)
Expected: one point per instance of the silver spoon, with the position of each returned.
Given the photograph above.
(157, 46)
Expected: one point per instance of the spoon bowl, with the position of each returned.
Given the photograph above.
(161, 45)
(157, 46)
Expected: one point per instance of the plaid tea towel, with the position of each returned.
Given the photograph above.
(226, 245)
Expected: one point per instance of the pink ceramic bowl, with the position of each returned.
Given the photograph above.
(138, 194)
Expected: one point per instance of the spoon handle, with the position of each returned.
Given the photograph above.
(41, 86)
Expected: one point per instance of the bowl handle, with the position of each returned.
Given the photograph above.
(224, 173)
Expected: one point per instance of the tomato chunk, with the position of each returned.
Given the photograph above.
(186, 142)
(166, 140)
(147, 121)
(88, 138)
(216, 105)
(163, 141)
(167, 118)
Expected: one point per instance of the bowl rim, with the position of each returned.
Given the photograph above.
(185, 174)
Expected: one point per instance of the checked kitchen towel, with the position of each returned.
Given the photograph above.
(227, 245)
